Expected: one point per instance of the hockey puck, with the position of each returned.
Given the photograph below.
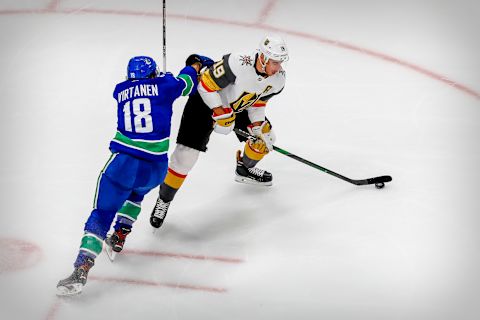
(379, 185)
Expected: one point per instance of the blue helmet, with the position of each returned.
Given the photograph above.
(141, 67)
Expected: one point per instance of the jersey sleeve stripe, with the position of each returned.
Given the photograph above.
(208, 83)
(188, 84)
(260, 104)
(218, 76)
(268, 97)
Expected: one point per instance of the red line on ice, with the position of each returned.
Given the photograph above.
(270, 4)
(180, 256)
(53, 5)
(159, 284)
(17, 254)
(52, 312)
(256, 25)
(265, 12)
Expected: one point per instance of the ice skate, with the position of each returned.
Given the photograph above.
(159, 213)
(76, 281)
(253, 175)
(116, 241)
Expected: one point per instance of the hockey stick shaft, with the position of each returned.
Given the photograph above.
(164, 36)
(375, 180)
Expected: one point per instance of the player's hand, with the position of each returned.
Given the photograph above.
(196, 58)
(258, 145)
(264, 132)
(224, 120)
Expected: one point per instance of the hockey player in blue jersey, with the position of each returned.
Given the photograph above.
(139, 159)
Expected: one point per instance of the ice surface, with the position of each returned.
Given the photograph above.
(372, 89)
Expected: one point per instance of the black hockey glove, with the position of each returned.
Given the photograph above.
(204, 61)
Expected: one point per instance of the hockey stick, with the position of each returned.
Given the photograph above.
(378, 181)
(164, 36)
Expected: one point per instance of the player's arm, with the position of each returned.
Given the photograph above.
(213, 80)
(189, 74)
(260, 127)
(256, 113)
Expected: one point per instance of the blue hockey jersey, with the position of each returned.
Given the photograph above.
(144, 113)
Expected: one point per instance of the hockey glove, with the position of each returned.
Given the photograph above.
(257, 145)
(203, 60)
(265, 133)
(224, 123)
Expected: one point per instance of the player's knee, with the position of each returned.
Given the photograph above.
(99, 222)
(183, 159)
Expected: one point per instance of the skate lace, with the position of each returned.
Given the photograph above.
(256, 171)
(160, 209)
(82, 273)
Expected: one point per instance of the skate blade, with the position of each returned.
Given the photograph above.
(246, 180)
(71, 290)
(110, 253)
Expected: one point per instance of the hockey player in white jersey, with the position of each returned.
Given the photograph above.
(233, 93)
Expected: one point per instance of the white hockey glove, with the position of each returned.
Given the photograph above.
(265, 133)
(224, 123)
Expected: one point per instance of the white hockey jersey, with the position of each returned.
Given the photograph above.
(234, 82)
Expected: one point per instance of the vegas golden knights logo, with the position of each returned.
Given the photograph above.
(247, 99)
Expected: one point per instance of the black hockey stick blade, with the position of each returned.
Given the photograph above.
(376, 180)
